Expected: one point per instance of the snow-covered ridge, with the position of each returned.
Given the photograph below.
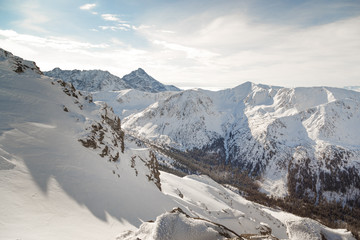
(98, 80)
(18, 64)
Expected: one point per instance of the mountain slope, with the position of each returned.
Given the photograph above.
(302, 141)
(98, 80)
(53, 187)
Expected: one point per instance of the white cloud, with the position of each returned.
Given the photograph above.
(52, 42)
(111, 17)
(114, 28)
(88, 6)
(119, 24)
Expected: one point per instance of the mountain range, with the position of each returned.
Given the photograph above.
(98, 80)
(302, 142)
(70, 168)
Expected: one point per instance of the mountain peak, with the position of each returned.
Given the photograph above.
(140, 70)
(140, 80)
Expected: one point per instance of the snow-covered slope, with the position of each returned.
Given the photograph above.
(51, 186)
(303, 141)
(98, 80)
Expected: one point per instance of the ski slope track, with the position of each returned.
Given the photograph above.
(68, 171)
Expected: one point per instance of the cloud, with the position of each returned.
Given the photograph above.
(235, 48)
(111, 17)
(119, 24)
(51, 42)
(88, 6)
(115, 28)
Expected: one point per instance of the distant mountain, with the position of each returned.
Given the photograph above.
(89, 80)
(303, 142)
(98, 80)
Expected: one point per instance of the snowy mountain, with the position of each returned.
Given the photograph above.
(98, 80)
(303, 142)
(69, 171)
(89, 80)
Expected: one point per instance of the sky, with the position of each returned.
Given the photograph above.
(210, 44)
